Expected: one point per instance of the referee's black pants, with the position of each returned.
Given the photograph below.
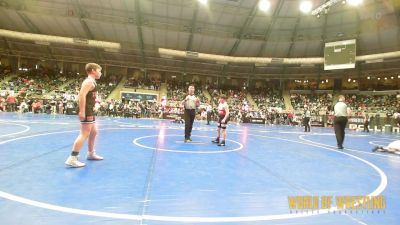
(189, 119)
(306, 122)
(340, 124)
(366, 124)
(208, 117)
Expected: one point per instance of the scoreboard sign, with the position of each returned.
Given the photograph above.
(340, 55)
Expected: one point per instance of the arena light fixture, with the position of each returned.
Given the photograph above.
(379, 78)
(368, 78)
(354, 2)
(264, 5)
(324, 7)
(204, 2)
(306, 7)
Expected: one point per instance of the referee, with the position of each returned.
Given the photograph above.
(209, 111)
(306, 121)
(341, 113)
(190, 103)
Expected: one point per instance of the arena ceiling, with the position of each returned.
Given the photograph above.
(223, 27)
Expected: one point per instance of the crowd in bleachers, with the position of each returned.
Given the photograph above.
(178, 89)
(267, 97)
(34, 82)
(236, 99)
(177, 92)
(128, 108)
(373, 103)
(270, 106)
(316, 103)
(44, 90)
(143, 83)
(27, 87)
(320, 103)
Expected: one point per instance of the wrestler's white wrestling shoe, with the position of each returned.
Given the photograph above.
(93, 156)
(73, 161)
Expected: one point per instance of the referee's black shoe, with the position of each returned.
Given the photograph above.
(376, 148)
(216, 141)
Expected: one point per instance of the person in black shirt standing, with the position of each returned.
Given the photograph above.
(87, 100)
(190, 103)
